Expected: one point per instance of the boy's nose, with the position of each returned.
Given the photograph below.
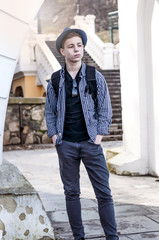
(76, 48)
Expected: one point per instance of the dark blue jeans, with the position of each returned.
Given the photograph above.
(70, 155)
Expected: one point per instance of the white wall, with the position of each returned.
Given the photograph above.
(15, 17)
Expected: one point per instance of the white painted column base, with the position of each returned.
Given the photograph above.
(1, 235)
(22, 214)
(127, 164)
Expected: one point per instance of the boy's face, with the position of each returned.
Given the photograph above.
(73, 49)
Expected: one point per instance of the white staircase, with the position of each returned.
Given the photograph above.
(37, 57)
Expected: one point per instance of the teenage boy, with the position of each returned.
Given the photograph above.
(76, 126)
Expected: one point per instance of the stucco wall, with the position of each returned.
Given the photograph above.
(29, 86)
(32, 89)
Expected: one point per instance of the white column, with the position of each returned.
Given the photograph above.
(108, 58)
(79, 20)
(135, 58)
(87, 22)
(90, 20)
(15, 17)
(154, 117)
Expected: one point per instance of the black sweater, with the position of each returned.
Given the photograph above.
(74, 128)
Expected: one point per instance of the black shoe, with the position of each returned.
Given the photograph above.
(82, 239)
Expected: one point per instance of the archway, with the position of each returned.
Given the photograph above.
(137, 89)
(15, 17)
(145, 76)
(44, 94)
(149, 87)
(19, 92)
(153, 145)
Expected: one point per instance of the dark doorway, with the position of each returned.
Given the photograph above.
(19, 92)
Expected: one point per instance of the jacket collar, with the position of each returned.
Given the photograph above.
(82, 72)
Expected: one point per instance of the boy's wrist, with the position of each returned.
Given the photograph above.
(54, 137)
(98, 139)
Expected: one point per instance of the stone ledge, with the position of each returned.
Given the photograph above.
(21, 100)
(13, 182)
(127, 164)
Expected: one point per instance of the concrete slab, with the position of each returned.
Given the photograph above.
(57, 202)
(93, 230)
(154, 209)
(136, 198)
(61, 216)
(133, 224)
(62, 230)
(96, 238)
(124, 238)
(146, 236)
(88, 203)
(53, 203)
(154, 218)
(58, 216)
(131, 210)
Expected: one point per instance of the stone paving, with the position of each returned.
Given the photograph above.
(136, 198)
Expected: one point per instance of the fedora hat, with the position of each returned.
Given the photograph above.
(65, 32)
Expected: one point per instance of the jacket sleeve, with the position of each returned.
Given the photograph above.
(51, 110)
(104, 109)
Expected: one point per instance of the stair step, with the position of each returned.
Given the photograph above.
(112, 138)
(116, 116)
(111, 84)
(116, 111)
(114, 92)
(112, 72)
(115, 100)
(115, 103)
(116, 132)
(111, 78)
(113, 96)
(117, 120)
(116, 126)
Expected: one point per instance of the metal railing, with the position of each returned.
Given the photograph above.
(113, 16)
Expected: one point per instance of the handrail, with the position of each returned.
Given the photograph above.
(106, 55)
(112, 15)
(46, 62)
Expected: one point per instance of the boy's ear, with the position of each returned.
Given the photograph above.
(62, 51)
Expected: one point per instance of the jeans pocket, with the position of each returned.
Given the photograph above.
(93, 143)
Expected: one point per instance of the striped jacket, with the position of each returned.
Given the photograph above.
(96, 123)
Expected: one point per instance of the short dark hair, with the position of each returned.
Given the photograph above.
(70, 35)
